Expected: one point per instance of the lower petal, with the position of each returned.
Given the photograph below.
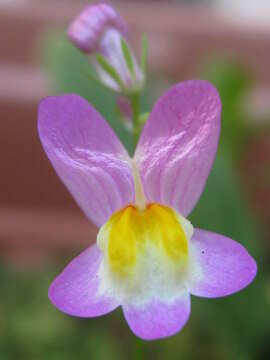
(225, 266)
(75, 290)
(157, 319)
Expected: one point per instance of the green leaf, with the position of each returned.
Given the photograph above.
(127, 55)
(109, 69)
(144, 53)
(232, 81)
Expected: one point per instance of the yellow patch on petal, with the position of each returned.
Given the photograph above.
(130, 231)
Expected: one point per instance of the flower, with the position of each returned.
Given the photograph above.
(148, 258)
(99, 30)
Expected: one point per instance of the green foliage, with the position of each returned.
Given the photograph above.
(109, 69)
(232, 82)
(127, 55)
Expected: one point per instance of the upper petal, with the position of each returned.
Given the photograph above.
(178, 145)
(76, 290)
(225, 266)
(86, 155)
(157, 319)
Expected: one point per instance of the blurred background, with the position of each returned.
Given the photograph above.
(41, 228)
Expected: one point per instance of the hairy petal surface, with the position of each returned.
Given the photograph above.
(178, 145)
(157, 319)
(76, 290)
(226, 266)
(86, 155)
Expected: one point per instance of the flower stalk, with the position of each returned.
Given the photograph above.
(135, 101)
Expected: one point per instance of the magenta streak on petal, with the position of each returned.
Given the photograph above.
(75, 290)
(178, 145)
(157, 319)
(86, 155)
(226, 265)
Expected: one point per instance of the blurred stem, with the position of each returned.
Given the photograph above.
(135, 102)
(139, 353)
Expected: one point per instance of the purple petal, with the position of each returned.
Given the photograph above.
(86, 155)
(157, 319)
(226, 265)
(75, 290)
(178, 145)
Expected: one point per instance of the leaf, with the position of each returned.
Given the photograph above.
(109, 69)
(127, 55)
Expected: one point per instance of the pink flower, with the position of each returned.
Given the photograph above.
(99, 29)
(148, 258)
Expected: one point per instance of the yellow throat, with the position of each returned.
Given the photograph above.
(131, 233)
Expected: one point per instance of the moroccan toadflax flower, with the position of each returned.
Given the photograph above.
(148, 258)
(100, 32)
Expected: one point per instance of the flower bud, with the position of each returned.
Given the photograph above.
(100, 32)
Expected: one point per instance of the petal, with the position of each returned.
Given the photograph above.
(157, 319)
(225, 266)
(178, 145)
(86, 155)
(75, 290)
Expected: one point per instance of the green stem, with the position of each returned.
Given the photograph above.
(135, 103)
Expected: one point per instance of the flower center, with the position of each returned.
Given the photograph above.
(132, 237)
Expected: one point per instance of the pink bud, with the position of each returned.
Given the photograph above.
(88, 27)
(99, 29)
